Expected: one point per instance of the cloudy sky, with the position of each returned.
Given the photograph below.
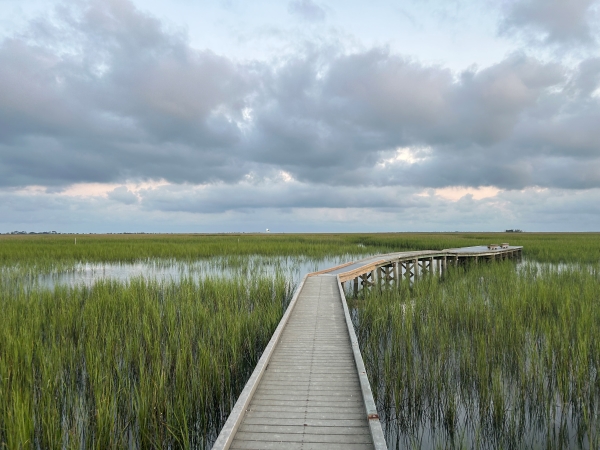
(300, 115)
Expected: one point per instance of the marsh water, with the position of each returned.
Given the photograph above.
(291, 268)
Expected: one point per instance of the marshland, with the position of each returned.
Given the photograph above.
(152, 349)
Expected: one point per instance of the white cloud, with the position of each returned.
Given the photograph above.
(455, 193)
(406, 155)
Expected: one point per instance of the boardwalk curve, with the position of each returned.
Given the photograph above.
(310, 389)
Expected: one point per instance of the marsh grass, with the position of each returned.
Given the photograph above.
(487, 358)
(140, 364)
(46, 252)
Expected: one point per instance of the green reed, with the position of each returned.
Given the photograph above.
(51, 251)
(489, 357)
(139, 364)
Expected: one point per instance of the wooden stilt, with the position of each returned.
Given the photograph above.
(416, 269)
(385, 274)
(365, 282)
(407, 272)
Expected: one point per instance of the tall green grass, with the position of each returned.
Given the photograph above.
(45, 251)
(489, 357)
(139, 364)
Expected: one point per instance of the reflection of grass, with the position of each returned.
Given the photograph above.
(44, 251)
(155, 365)
(488, 355)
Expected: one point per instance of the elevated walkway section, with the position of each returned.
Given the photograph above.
(310, 389)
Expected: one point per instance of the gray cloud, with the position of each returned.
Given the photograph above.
(248, 196)
(107, 94)
(332, 122)
(182, 209)
(132, 95)
(123, 195)
(307, 10)
(562, 22)
(587, 78)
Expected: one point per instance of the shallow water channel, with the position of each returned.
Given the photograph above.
(292, 268)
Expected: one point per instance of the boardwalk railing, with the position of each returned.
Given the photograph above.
(365, 386)
(409, 266)
(316, 393)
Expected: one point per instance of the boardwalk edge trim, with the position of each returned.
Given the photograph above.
(370, 408)
(239, 410)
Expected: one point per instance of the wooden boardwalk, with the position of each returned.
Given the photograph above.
(309, 395)
(309, 389)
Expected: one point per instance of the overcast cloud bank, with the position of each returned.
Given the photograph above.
(101, 93)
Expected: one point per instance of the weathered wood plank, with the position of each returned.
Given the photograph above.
(257, 445)
(304, 429)
(299, 437)
(310, 391)
(304, 421)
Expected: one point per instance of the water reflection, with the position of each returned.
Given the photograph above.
(292, 268)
